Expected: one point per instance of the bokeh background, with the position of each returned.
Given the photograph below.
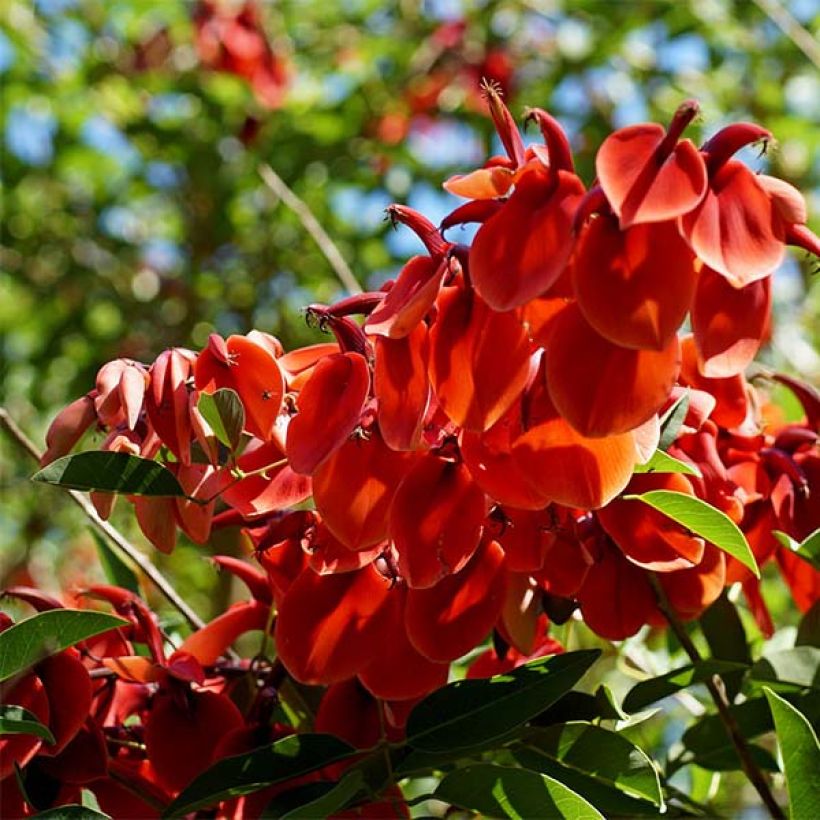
(134, 217)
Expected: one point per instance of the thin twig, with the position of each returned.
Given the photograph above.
(116, 537)
(717, 690)
(791, 27)
(312, 226)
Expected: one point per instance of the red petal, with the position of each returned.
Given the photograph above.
(329, 626)
(729, 323)
(212, 641)
(155, 515)
(328, 555)
(479, 359)
(353, 489)
(410, 298)
(616, 598)
(600, 388)
(645, 536)
(181, 734)
(29, 693)
(330, 406)
(447, 620)
(68, 687)
(436, 520)
(637, 186)
(691, 591)
(736, 230)
(519, 252)
(634, 286)
(400, 384)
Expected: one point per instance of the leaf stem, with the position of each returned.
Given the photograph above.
(116, 537)
(717, 690)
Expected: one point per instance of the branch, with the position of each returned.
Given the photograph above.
(717, 690)
(116, 537)
(312, 226)
(790, 26)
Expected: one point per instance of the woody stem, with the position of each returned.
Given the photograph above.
(114, 535)
(717, 690)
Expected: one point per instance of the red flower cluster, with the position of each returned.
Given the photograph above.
(472, 447)
(233, 40)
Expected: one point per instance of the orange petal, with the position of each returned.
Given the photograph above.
(483, 183)
(634, 286)
(637, 187)
(400, 384)
(519, 252)
(603, 389)
(353, 489)
(436, 520)
(330, 406)
(691, 591)
(736, 229)
(645, 536)
(479, 359)
(447, 620)
(212, 641)
(155, 516)
(729, 323)
(329, 626)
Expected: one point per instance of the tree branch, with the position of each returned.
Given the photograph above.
(312, 226)
(114, 535)
(717, 690)
(790, 26)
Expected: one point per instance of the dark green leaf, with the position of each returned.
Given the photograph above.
(672, 421)
(224, 412)
(321, 799)
(649, 691)
(608, 708)
(662, 462)
(117, 572)
(801, 757)
(72, 811)
(612, 773)
(15, 720)
(112, 473)
(808, 633)
(789, 669)
(469, 713)
(724, 632)
(283, 760)
(709, 744)
(46, 633)
(501, 791)
(702, 519)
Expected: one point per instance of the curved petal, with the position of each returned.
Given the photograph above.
(447, 620)
(68, 687)
(436, 520)
(729, 324)
(603, 389)
(634, 286)
(212, 641)
(330, 406)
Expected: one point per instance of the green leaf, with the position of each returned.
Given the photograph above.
(724, 632)
(649, 691)
(321, 799)
(789, 669)
(47, 633)
(72, 811)
(111, 473)
(710, 746)
(470, 713)
(234, 776)
(672, 421)
(662, 462)
(224, 412)
(801, 757)
(808, 632)
(15, 720)
(702, 519)
(117, 572)
(613, 774)
(502, 791)
(607, 705)
(808, 550)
